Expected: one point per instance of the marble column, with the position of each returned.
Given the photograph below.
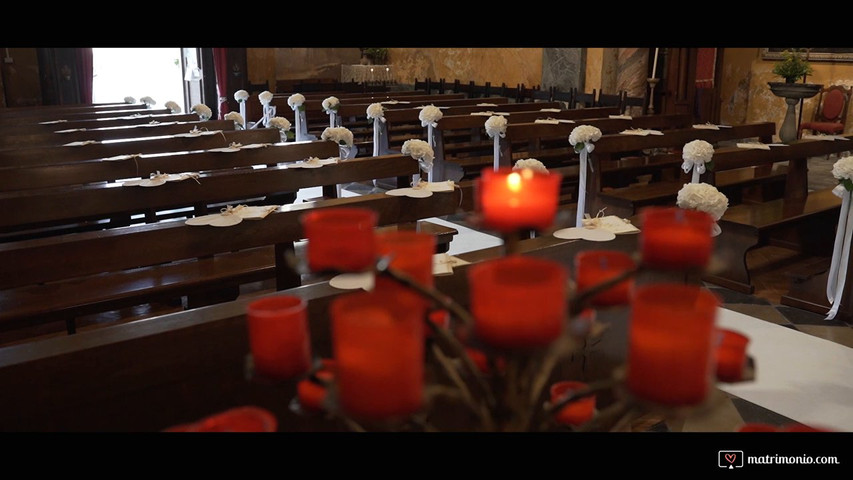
(633, 71)
(563, 68)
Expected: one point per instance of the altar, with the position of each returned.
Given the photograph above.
(367, 73)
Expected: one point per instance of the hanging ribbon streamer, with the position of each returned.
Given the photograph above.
(584, 161)
(497, 151)
(840, 252)
(243, 113)
(299, 117)
(377, 134)
(697, 167)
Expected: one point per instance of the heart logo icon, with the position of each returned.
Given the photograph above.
(731, 457)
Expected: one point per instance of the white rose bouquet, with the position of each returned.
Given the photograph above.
(430, 115)
(296, 101)
(496, 125)
(202, 110)
(530, 163)
(340, 135)
(375, 110)
(420, 151)
(129, 100)
(265, 97)
(241, 95)
(697, 156)
(704, 198)
(173, 107)
(331, 104)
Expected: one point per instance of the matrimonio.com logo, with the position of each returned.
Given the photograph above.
(730, 459)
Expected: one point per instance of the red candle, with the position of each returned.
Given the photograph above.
(577, 412)
(378, 343)
(411, 253)
(513, 200)
(593, 267)
(673, 238)
(340, 238)
(517, 301)
(279, 336)
(670, 343)
(481, 361)
(441, 319)
(730, 354)
(311, 394)
(241, 419)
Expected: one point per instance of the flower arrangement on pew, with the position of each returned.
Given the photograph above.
(148, 101)
(698, 156)
(330, 107)
(203, 111)
(704, 198)
(129, 99)
(242, 96)
(343, 137)
(842, 170)
(173, 107)
(407, 357)
(420, 151)
(283, 126)
(235, 117)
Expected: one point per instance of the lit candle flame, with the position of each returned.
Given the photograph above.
(513, 182)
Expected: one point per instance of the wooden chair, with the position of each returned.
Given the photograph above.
(611, 100)
(585, 100)
(831, 113)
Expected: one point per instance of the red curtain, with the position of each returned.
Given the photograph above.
(85, 73)
(220, 66)
(706, 60)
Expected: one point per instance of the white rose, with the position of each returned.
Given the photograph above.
(703, 197)
(339, 135)
(530, 163)
(129, 100)
(241, 95)
(420, 151)
(698, 153)
(375, 110)
(265, 97)
(148, 101)
(173, 107)
(584, 134)
(235, 117)
(331, 104)
(496, 125)
(296, 100)
(843, 168)
(430, 115)
(203, 111)
(280, 123)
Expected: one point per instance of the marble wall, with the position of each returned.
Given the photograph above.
(266, 65)
(607, 67)
(563, 68)
(632, 71)
(496, 65)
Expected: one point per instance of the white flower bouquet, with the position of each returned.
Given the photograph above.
(697, 154)
(375, 110)
(173, 107)
(241, 95)
(280, 123)
(496, 125)
(340, 135)
(235, 117)
(148, 101)
(296, 101)
(265, 97)
(530, 163)
(842, 170)
(430, 115)
(703, 197)
(129, 100)
(202, 110)
(331, 104)
(583, 136)
(420, 151)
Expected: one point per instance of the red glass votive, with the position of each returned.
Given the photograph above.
(340, 238)
(674, 238)
(513, 200)
(279, 337)
(311, 394)
(670, 343)
(757, 427)
(730, 354)
(577, 412)
(378, 343)
(518, 301)
(241, 419)
(593, 267)
(481, 361)
(441, 319)
(411, 253)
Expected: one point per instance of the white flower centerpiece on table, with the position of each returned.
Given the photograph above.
(173, 107)
(704, 198)
(203, 111)
(698, 156)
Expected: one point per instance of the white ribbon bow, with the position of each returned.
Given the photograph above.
(698, 167)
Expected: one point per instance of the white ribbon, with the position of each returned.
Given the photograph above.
(333, 118)
(584, 161)
(243, 113)
(497, 152)
(299, 117)
(429, 134)
(377, 133)
(697, 166)
(840, 253)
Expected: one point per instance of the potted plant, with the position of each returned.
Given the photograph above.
(378, 56)
(793, 66)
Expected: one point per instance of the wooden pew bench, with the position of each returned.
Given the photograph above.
(59, 278)
(29, 129)
(82, 115)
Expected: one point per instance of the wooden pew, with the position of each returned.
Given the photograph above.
(83, 115)
(112, 133)
(59, 154)
(59, 278)
(23, 129)
(39, 110)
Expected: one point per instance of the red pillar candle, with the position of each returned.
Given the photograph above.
(513, 200)
(670, 343)
(517, 301)
(378, 343)
(593, 267)
(673, 238)
(311, 394)
(279, 337)
(574, 413)
(730, 354)
(340, 238)
(411, 253)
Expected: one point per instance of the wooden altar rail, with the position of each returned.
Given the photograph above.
(110, 133)
(32, 128)
(60, 154)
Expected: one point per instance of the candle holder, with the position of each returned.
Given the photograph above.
(652, 84)
(496, 364)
